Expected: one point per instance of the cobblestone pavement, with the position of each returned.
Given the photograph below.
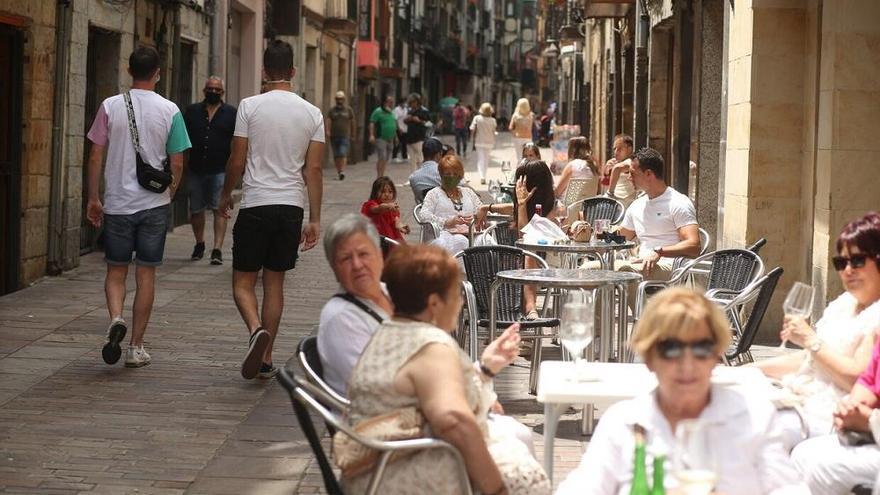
(187, 423)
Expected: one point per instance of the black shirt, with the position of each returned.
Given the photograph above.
(416, 132)
(211, 140)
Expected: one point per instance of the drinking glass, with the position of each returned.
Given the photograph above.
(694, 462)
(576, 328)
(495, 190)
(600, 227)
(561, 211)
(505, 169)
(798, 303)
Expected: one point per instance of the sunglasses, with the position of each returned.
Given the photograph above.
(855, 261)
(674, 349)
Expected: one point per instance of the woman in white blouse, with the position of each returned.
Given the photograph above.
(452, 208)
(681, 337)
(839, 348)
(483, 129)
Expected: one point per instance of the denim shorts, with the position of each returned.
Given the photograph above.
(142, 233)
(339, 144)
(266, 237)
(204, 191)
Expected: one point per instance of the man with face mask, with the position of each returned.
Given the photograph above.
(210, 124)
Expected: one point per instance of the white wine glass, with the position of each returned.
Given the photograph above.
(576, 328)
(798, 303)
(494, 190)
(695, 464)
(505, 169)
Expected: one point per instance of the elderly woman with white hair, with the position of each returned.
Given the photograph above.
(483, 128)
(681, 338)
(521, 124)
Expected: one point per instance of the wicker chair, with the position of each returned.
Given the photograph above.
(481, 263)
(579, 189)
(502, 232)
(758, 294)
(601, 207)
(429, 230)
(305, 396)
(731, 271)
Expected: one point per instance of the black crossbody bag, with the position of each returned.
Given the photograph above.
(149, 177)
(360, 304)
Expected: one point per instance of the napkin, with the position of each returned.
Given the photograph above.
(541, 229)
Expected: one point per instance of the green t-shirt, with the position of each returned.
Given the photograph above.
(178, 139)
(385, 122)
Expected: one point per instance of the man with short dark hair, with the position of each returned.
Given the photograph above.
(663, 219)
(417, 120)
(383, 127)
(427, 176)
(135, 218)
(210, 124)
(278, 145)
(340, 131)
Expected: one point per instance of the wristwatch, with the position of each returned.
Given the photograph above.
(816, 346)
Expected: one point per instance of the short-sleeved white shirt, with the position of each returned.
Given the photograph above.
(656, 221)
(279, 126)
(161, 132)
(343, 332)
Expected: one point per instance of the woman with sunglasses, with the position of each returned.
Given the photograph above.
(681, 338)
(840, 346)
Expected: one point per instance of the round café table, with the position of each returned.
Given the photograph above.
(570, 250)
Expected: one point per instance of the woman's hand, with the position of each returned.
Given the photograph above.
(523, 195)
(480, 216)
(797, 331)
(502, 351)
(852, 415)
(456, 221)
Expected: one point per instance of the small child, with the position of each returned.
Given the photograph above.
(383, 210)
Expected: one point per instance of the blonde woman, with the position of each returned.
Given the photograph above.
(483, 129)
(521, 123)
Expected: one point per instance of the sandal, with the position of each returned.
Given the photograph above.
(532, 315)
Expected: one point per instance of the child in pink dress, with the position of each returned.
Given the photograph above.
(383, 210)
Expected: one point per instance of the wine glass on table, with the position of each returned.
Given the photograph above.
(576, 328)
(505, 169)
(694, 464)
(798, 303)
(494, 190)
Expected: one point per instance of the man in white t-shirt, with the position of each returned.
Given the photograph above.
(663, 219)
(278, 145)
(135, 219)
(350, 318)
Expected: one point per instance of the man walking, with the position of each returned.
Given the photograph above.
(137, 123)
(210, 124)
(278, 146)
(383, 137)
(341, 118)
(400, 113)
(460, 123)
(417, 121)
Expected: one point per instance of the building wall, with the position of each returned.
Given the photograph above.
(38, 74)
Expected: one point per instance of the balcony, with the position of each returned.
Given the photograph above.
(341, 17)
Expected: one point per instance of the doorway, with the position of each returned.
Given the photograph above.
(183, 98)
(11, 61)
(102, 81)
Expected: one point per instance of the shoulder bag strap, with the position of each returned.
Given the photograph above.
(357, 302)
(132, 124)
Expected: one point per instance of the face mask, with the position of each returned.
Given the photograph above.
(449, 182)
(212, 98)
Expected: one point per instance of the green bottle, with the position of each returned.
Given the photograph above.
(640, 475)
(658, 488)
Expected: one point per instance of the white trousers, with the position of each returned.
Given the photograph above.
(505, 426)
(830, 468)
(451, 242)
(518, 144)
(414, 151)
(483, 161)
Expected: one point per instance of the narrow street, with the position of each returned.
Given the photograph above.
(187, 423)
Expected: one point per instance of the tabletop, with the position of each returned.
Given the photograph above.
(575, 247)
(566, 277)
(620, 381)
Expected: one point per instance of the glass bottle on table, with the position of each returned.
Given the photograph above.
(505, 170)
(639, 484)
(658, 486)
(539, 210)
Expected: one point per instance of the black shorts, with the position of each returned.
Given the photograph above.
(266, 237)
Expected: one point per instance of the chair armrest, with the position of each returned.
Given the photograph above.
(641, 294)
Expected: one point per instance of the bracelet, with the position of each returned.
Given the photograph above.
(490, 207)
(486, 371)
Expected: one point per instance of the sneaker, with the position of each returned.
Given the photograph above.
(267, 370)
(341, 176)
(115, 333)
(136, 357)
(198, 251)
(216, 257)
(253, 360)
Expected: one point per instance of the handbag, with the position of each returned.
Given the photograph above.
(149, 177)
(355, 458)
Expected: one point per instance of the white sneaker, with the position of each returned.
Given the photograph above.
(136, 357)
